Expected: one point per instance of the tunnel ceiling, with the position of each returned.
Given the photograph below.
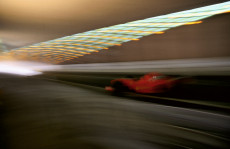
(77, 45)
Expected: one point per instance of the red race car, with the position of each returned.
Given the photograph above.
(149, 83)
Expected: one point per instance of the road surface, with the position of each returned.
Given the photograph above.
(37, 114)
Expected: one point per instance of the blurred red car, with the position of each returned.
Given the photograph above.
(149, 83)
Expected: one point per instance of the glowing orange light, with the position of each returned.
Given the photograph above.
(191, 23)
(159, 32)
(70, 58)
(227, 11)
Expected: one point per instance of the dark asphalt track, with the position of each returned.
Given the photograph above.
(39, 114)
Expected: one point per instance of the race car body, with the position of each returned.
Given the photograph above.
(149, 83)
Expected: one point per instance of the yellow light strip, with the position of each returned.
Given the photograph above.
(67, 50)
(91, 41)
(71, 54)
(130, 31)
(146, 24)
(75, 44)
(107, 37)
(37, 47)
(64, 54)
(70, 58)
(64, 50)
(191, 23)
(76, 52)
(55, 47)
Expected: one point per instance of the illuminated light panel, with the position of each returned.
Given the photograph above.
(226, 6)
(77, 45)
(200, 14)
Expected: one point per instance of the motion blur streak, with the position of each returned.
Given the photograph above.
(21, 68)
